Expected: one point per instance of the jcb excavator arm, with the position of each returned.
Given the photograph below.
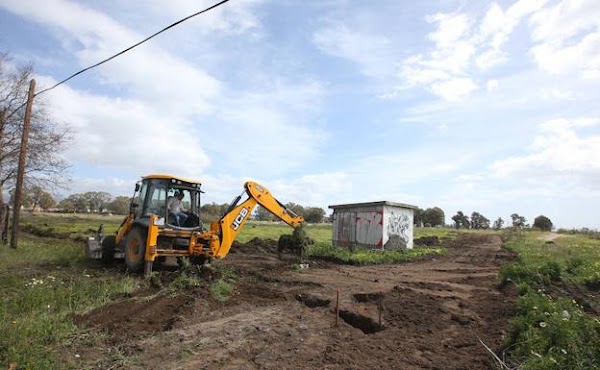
(229, 226)
(216, 242)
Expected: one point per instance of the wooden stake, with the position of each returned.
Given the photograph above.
(21, 170)
(380, 306)
(337, 306)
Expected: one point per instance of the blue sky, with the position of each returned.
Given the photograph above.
(473, 106)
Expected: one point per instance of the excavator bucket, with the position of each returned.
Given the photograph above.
(296, 242)
(94, 244)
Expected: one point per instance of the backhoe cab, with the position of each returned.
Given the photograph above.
(150, 231)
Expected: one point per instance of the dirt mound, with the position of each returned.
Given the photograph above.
(427, 241)
(138, 316)
(430, 314)
(255, 245)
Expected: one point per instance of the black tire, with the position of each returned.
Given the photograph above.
(108, 249)
(135, 249)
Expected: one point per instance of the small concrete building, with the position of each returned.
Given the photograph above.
(382, 225)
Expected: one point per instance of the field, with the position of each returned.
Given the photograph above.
(476, 301)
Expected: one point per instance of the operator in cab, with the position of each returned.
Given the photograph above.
(176, 208)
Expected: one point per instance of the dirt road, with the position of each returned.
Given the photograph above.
(433, 314)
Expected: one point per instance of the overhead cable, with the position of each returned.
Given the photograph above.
(122, 51)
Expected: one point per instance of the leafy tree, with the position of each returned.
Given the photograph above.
(262, 214)
(478, 221)
(418, 217)
(518, 221)
(67, 205)
(314, 214)
(498, 223)
(543, 223)
(41, 198)
(97, 200)
(78, 202)
(34, 196)
(45, 165)
(434, 217)
(212, 211)
(119, 205)
(461, 220)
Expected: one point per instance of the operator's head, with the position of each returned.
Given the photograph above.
(179, 194)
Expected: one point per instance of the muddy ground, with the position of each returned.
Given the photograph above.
(432, 314)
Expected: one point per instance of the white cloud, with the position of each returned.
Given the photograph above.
(559, 59)
(459, 44)
(557, 94)
(453, 89)
(558, 151)
(568, 38)
(490, 59)
(122, 133)
(492, 85)
(270, 130)
(147, 71)
(369, 51)
(313, 190)
(175, 114)
(451, 28)
(233, 18)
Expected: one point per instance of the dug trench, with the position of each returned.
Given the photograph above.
(438, 313)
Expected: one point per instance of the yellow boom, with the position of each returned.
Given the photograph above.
(217, 241)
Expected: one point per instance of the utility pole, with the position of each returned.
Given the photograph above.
(21, 170)
(4, 208)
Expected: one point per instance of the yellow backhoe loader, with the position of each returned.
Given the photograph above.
(152, 231)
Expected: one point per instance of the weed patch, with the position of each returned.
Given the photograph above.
(553, 331)
(43, 286)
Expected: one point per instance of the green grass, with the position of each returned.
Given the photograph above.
(44, 283)
(364, 256)
(552, 330)
(68, 225)
(272, 230)
(79, 226)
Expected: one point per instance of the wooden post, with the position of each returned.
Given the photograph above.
(21, 170)
(337, 306)
(380, 306)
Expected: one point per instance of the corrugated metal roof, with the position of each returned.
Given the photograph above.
(372, 204)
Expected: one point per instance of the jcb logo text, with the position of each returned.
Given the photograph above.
(239, 218)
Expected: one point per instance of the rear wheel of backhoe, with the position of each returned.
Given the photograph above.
(135, 249)
(108, 249)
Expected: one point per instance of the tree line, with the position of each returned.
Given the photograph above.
(435, 217)
(478, 221)
(102, 202)
(35, 197)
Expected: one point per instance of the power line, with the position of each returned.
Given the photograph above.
(123, 51)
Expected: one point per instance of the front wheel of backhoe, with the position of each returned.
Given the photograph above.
(135, 249)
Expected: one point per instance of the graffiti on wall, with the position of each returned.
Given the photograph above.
(369, 228)
(398, 228)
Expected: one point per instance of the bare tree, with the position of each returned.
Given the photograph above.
(47, 140)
